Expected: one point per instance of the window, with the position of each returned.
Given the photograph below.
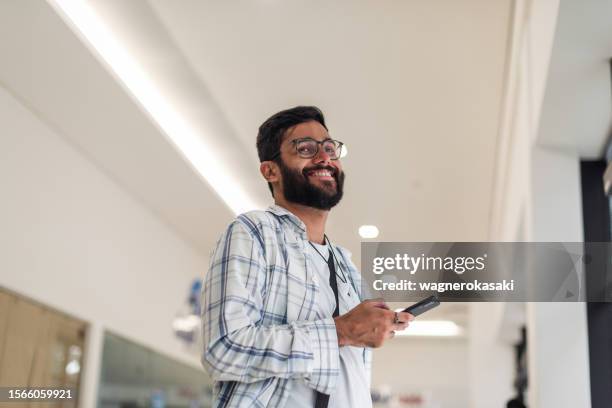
(134, 376)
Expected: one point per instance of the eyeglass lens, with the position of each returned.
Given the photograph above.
(308, 148)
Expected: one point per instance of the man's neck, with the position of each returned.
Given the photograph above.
(313, 218)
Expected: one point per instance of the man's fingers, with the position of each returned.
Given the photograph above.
(379, 302)
(405, 317)
(402, 320)
(400, 326)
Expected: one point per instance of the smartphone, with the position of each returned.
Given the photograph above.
(423, 306)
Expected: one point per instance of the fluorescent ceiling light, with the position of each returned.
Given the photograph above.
(368, 231)
(432, 328)
(187, 140)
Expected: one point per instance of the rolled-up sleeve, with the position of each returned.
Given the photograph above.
(237, 347)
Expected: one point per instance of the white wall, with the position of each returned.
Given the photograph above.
(537, 198)
(433, 367)
(491, 357)
(494, 328)
(557, 332)
(73, 239)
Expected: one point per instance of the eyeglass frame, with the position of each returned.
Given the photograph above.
(319, 144)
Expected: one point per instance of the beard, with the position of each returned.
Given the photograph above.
(299, 190)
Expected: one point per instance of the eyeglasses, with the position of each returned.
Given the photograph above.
(308, 148)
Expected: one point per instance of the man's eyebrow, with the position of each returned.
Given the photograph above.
(310, 137)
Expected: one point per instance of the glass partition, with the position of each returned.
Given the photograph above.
(134, 376)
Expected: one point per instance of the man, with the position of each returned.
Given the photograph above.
(283, 321)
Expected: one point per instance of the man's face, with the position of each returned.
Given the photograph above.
(316, 182)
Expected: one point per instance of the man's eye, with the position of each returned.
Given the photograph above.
(330, 149)
(306, 148)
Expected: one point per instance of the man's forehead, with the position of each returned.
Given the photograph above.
(311, 129)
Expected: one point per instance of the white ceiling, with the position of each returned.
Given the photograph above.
(413, 88)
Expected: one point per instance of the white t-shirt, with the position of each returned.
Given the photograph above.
(353, 386)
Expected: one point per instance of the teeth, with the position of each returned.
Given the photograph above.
(322, 173)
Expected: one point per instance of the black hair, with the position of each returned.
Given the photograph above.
(272, 131)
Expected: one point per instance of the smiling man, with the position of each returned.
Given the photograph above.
(283, 319)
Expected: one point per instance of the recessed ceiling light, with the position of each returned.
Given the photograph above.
(368, 231)
(191, 144)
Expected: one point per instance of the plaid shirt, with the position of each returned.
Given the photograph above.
(261, 328)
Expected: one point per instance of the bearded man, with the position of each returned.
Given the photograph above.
(283, 320)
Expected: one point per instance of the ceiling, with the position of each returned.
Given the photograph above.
(413, 88)
(46, 67)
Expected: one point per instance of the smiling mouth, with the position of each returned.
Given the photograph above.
(321, 174)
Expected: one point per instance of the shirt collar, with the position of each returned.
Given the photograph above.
(298, 225)
(289, 216)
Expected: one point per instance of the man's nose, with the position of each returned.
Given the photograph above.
(322, 157)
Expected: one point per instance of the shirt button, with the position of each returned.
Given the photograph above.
(314, 279)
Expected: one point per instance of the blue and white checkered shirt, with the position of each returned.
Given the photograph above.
(261, 326)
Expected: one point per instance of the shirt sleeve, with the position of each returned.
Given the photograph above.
(237, 347)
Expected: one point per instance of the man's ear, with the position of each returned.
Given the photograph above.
(270, 171)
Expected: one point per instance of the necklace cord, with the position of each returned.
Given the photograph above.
(331, 248)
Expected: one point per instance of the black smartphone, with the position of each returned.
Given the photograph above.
(423, 306)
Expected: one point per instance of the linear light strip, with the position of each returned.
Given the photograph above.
(136, 80)
(432, 328)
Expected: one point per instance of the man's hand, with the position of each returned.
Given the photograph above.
(369, 324)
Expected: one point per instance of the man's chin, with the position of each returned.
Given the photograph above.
(328, 186)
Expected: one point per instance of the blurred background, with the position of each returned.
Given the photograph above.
(127, 145)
